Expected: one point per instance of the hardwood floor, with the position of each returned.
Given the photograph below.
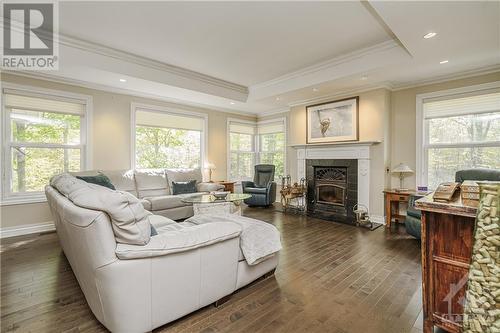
(331, 278)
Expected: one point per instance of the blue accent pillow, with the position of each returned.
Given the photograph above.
(99, 179)
(184, 187)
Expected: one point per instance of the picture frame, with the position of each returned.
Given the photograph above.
(335, 121)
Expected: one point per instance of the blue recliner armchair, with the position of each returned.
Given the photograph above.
(263, 187)
(414, 216)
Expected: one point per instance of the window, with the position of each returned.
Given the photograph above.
(459, 131)
(166, 139)
(251, 143)
(44, 134)
(272, 145)
(241, 150)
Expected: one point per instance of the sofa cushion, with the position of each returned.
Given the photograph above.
(151, 182)
(255, 190)
(129, 219)
(183, 175)
(123, 180)
(100, 179)
(184, 187)
(146, 204)
(179, 238)
(168, 201)
(209, 187)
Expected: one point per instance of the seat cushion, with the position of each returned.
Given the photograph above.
(255, 190)
(168, 201)
(151, 182)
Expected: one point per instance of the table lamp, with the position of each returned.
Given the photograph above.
(210, 167)
(403, 171)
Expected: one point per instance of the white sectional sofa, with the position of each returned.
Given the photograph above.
(153, 188)
(135, 281)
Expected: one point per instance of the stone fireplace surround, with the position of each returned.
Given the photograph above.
(345, 151)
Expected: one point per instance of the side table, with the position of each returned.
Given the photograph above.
(228, 186)
(392, 200)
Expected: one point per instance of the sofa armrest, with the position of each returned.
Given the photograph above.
(271, 192)
(182, 240)
(209, 187)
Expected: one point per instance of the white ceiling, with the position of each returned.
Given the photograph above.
(260, 57)
(241, 42)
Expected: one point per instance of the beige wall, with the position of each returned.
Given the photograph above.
(374, 125)
(403, 113)
(111, 139)
(388, 117)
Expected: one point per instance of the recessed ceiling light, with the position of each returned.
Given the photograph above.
(430, 35)
(364, 78)
(443, 62)
(315, 89)
(278, 98)
(123, 80)
(232, 103)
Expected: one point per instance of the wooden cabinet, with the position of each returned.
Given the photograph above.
(447, 240)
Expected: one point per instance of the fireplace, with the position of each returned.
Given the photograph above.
(332, 189)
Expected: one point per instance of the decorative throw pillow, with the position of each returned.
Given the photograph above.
(99, 179)
(184, 187)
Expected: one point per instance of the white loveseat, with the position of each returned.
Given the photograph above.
(156, 279)
(154, 188)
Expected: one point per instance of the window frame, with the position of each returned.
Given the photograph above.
(283, 121)
(422, 144)
(9, 198)
(134, 107)
(256, 142)
(229, 151)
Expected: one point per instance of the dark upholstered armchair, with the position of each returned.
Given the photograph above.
(413, 216)
(263, 187)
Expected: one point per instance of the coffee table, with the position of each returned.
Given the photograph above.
(208, 204)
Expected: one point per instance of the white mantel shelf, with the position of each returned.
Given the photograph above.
(346, 143)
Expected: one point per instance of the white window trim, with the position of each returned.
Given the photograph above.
(228, 145)
(8, 198)
(421, 156)
(256, 143)
(285, 127)
(134, 107)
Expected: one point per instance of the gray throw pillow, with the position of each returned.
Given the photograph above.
(184, 187)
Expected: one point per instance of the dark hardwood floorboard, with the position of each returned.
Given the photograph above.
(331, 278)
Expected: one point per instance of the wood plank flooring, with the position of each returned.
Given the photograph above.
(331, 278)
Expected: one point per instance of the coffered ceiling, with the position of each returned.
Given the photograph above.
(260, 57)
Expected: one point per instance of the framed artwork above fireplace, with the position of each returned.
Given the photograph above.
(335, 121)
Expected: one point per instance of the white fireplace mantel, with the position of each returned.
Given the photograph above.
(358, 151)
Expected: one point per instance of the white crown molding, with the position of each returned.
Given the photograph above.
(341, 93)
(273, 112)
(445, 78)
(27, 229)
(123, 91)
(149, 63)
(389, 44)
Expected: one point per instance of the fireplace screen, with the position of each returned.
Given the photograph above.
(331, 194)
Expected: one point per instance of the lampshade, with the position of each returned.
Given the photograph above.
(402, 168)
(210, 166)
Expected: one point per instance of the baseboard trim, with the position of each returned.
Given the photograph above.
(26, 229)
(378, 218)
